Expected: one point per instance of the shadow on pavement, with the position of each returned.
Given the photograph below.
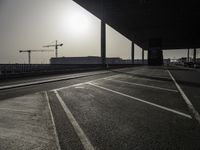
(183, 82)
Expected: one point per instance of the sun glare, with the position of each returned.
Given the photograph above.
(78, 22)
(75, 22)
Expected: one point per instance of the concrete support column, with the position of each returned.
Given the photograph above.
(103, 42)
(142, 56)
(188, 55)
(29, 57)
(155, 54)
(195, 55)
(132, 52)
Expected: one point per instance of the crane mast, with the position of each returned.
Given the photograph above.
(56, 47)
(30, 51)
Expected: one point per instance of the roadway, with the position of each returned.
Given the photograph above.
(132, 108)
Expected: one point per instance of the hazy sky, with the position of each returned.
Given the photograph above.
(30, 24)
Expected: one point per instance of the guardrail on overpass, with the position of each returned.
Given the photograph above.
(21, 70)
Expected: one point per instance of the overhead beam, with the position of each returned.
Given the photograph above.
(150, 19)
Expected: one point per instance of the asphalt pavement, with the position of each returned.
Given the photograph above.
(134, 108)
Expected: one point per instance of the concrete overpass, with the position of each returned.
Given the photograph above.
(152, 24)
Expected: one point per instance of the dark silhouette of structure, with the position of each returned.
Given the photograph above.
(56, 47)
(171, 24)
(89, 60)
(30, 51)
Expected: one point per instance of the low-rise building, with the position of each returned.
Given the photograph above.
(88, 60)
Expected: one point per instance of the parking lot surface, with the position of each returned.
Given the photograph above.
(135, 108)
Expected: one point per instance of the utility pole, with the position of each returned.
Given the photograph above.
(30, 51)
(56, 47)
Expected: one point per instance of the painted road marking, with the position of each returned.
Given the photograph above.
(53, 122)
(143, 101)
(186, 99)
(80, 84)
(132, 76)
(154, 76)
(80, 87)
(83, 138)
(144, 85)
(135, 77)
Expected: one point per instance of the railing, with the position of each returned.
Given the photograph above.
(20, 70)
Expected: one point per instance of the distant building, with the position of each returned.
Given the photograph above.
(76, 60)
(88, 60)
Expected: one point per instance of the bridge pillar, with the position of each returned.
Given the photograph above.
(143, 56)
(132, 52)
(194, 55)
(103, 42)
(188, 55)
(155, 54)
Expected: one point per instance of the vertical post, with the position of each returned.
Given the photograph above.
(103, 42)
(29, 57)
(142, 56)
(188, 55)
(132, 52)
(155, 53)
(56, 47)
(195, 55)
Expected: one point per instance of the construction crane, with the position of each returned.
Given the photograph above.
(30, 51)
(56, 47)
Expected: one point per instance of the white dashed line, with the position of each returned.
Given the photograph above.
(144, 85)
(143, 101)
(83, 138)
(53, 122)
(186, 99)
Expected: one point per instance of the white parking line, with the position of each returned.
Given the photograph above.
(143, 101)
(53, 122)
(144, 85)
(79, 84)
(186, 99)
(135, 77)
(83, 138)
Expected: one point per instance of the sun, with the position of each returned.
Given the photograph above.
(75, 22)
(78, 22)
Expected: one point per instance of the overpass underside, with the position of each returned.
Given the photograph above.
(152, 24)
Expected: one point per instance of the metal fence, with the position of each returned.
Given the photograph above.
(34, 68)
(21, 70)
